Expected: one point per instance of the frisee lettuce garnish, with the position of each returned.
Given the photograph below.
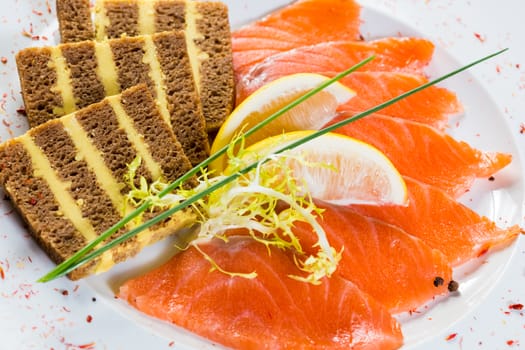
(266, 202)
(91, 250)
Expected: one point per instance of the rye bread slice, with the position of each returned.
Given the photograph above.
(208, 36)
(62, 79)
(74, 20)
(66, 176)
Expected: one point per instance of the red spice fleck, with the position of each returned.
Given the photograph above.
(36, 12)
(76, 288)
(3, 59)
(413, 311)
(498, 68)
(21, 111)
(518, 65)
(516, 307)
(32, 201)
(522, 128)
(483, 251)
(2, 274)
(171, 344)
(65, 292)
(66, 309)
(480, 37)
(87, 346)
(451, 336)
(510, 342)
(89, 318)
(48, 5)
(28, 33)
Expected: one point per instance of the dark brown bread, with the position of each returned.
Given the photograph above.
(114, 143)
(217, 86)
(128, 54)
(37, 80)
(157, 134)
(184, 106)
(82, 63)
(74, 20)
(81, 81)
(170, 15)
(35, 202)
(34, 192)
(123, 16)
(215, 79)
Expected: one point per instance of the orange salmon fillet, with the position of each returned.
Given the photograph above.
(332, 57)
(301, 23)
(432, 106)
(394, 258)
(272, 311)
(443, 223)
(380, 259)
(425, 153)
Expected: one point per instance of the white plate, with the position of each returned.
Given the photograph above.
(66, 315)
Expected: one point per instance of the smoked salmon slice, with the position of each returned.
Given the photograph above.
(301, 23)
(380, 259)
(425, 153)
(432, 106)
(271, 311)
(330, 58)
(443, 223)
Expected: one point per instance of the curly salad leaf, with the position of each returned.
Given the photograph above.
(265, 202)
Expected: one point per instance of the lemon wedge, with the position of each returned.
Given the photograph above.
(336, 168)
(312, 114)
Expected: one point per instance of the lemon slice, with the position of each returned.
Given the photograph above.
(344, 171)
(312, 114)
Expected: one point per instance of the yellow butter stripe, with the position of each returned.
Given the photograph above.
(63, 85)
(146, 20)
(134, 137)
(43, 169)
(156, 75)
(101, 21)
(196, 55)
(87, 151)
(106, 262)
(106, 68)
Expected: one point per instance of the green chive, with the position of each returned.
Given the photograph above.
(65, 266)
(83, 256)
